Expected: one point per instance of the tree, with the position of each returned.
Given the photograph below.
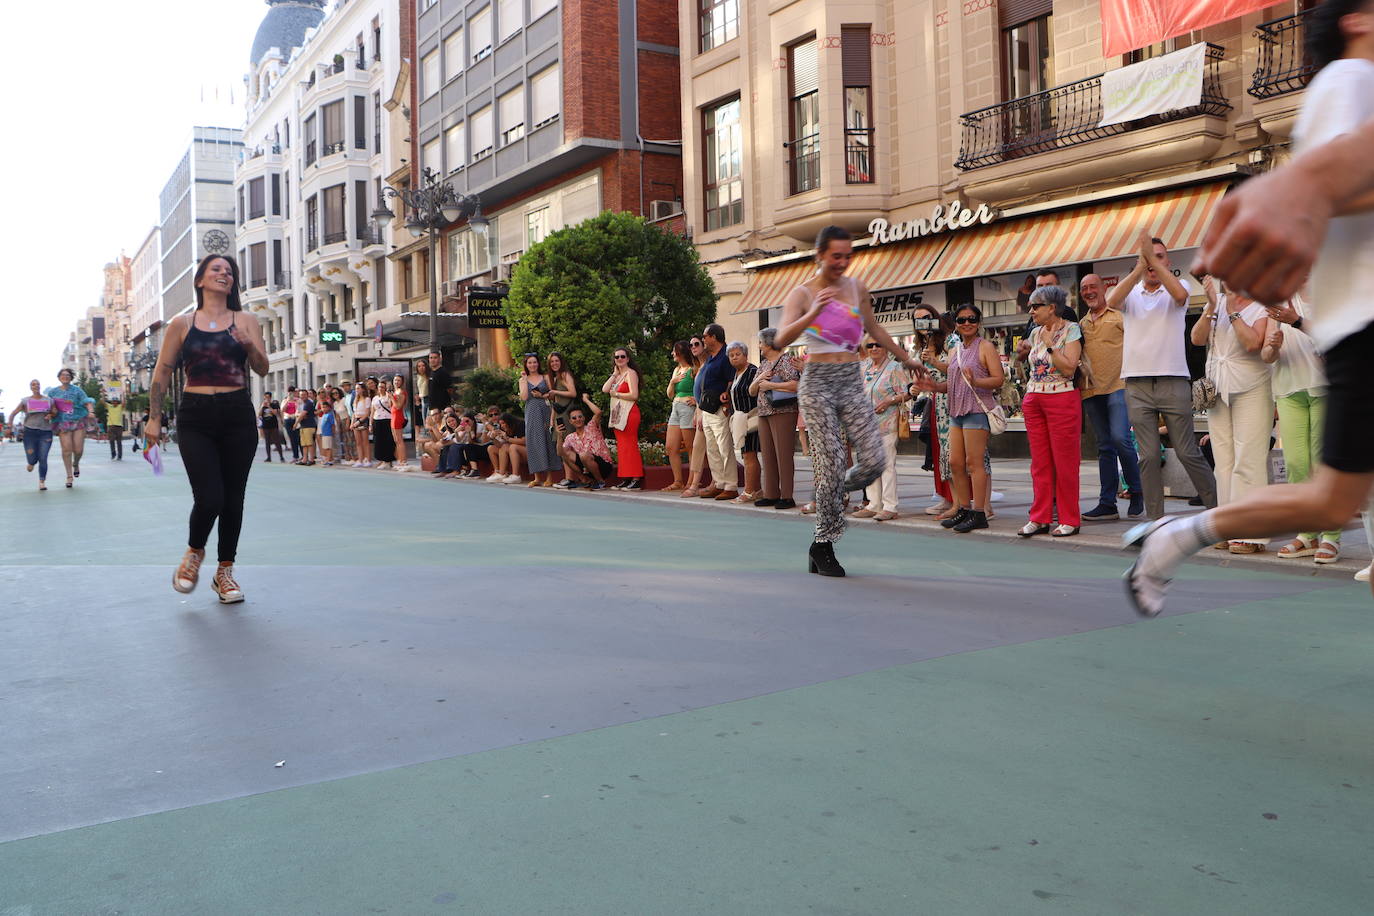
(92, 388)
(486, 386)
(611, 281)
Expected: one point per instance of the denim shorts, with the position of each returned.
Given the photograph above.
(681, 415)
(976, 420)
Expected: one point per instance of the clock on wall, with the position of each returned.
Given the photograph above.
(215, 242)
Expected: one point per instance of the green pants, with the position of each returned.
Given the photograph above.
(1301, 415)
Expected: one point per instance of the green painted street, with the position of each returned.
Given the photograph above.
(456, 697)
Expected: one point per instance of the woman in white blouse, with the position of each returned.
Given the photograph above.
(1300, 392)
(1234, 327)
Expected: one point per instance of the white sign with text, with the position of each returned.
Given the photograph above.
(1153, 86)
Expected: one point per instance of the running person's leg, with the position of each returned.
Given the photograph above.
(236, 445)
(78, 449)
(828, 460)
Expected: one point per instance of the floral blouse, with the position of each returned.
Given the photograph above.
(784, 370)
(887, 380)
(1044, 377)
(78, 398)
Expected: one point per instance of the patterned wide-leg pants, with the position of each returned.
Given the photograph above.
(836, 409)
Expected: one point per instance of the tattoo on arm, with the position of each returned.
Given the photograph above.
(155, 395)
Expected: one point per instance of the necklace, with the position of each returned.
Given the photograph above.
(214, 325)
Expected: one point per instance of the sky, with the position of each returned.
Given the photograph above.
(100, 101)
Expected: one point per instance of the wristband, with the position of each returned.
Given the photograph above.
(1233, 317)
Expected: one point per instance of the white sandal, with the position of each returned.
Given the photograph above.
(1306, 547)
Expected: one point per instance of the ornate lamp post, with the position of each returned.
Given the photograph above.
(429, 208)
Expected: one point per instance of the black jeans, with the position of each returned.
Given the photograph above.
(116, 434)
(294, 435)
(218, 436)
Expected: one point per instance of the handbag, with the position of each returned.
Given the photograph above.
(620, 414)
(1204, 389)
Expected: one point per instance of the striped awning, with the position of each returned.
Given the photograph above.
(879, 267)
(1080, 235)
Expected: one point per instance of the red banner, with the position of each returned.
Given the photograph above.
(1131, 24)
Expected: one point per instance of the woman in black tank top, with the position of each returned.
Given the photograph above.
(216, 423)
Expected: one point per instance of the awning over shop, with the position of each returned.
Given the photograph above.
(878, 267)
(1081, 235)
(413, 328)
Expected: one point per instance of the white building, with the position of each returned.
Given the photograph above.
(315, 154)
(145, 307)
(196, 214)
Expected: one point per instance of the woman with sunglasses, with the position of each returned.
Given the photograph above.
(830, 313)
(975, 375)
(1054, 415)
(697, 462)
(886, 384)
(383, 444)
(400, 406)
(623, 387)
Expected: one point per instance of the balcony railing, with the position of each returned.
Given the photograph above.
(256, 212)
(331, 238)
(310, 153)
(1066, 116)
(257, 280)
(332, 148)
(312, 240)
(804, 163)
(1283, 64)
(281, 279)
(858, 155)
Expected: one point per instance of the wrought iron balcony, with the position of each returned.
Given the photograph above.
(1066, 116)
(1283, 64)
(804, 163)
(332, 238)
(858, 155)
(312, 240)
(257, 280)
(310, 153)
(281, 279)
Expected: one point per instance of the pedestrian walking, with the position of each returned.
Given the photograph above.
(1104, 404)
(217, 431)
(623, 388)
(1240, 422)
(1154, 305)
(830, 313)
(886, 383)
(776, 388)
(73, 410)
(38, 411)
(1263, 239)
(1053, 411)
(541, 449)
(114, 427)
(1299, 388)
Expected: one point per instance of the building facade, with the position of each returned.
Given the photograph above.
(196, 213)
(899, 119)
(145, 309)
(118, 319)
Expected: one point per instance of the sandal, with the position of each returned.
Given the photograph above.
(689, 493)
(1298, 547)
(1031, 529)
(939, 510)
(674, 486)
(808, 509)
(1327, 553)
(1245, 547)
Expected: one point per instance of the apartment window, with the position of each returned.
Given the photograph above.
(257, 260)
(360, 217)
(256, 207)
(540, 7)
(278, 266)
(804, 117)
(719, 22)
(1027, 56)
(509, 18)
(479, 34)
(312, 222)
(334, 228)
(285, 133)
(377, 38)
(376, 123)
(430, 157)
(276, 195)
(536, 226)
(511, 107)
(1150, 52)
(453, 54)
(426, 4)
(722, 140)
(333, 117)
(456, 146)
(286, 195)
(481, 130)
(545, 96)
(468, 254)
(857, 71)
(359, 122)
(430, 80)
(241, 208)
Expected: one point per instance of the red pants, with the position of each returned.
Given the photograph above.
(1054, 426)
(628, 460)
(942, 487)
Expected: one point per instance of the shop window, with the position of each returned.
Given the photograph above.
(719, 22)
(804, 117)
(722, 141)
(857, 70)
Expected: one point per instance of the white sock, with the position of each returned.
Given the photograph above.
(1170, 546)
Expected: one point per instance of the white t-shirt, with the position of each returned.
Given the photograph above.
(1339, 99)
(1154, 325)
(1232, 368)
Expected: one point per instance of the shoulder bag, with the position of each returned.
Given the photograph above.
(1204, 389)
(997, 417)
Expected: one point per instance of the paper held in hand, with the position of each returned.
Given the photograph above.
(153, 455)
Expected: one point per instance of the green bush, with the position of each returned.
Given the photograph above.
(489, 385)
(611, 281)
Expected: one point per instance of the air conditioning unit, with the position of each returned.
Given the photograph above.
(664, 209)
(449, 288)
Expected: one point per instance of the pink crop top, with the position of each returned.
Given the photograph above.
(838, 328)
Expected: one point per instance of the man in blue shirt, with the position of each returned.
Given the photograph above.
(714, 400)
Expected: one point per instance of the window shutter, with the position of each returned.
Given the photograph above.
(805, 67)
(1015, 12)
(857, 57)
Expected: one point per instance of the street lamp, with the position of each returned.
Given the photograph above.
(429, 208)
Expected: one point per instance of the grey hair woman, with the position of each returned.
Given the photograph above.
(775, 385)
(744, 418)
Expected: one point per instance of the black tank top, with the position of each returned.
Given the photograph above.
(213, 359)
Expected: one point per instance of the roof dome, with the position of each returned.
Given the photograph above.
(285, 26)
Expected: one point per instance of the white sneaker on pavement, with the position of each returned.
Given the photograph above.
(497, 478)
(1363, 575)
(511, 478)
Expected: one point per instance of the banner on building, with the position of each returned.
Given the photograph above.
(1154, 86)
(1128, 25)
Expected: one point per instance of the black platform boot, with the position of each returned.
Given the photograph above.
(972, 522)
(956, 519)
(823, 559)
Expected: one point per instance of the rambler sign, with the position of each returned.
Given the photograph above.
(944, 218)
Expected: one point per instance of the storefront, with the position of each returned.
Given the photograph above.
(949, 259)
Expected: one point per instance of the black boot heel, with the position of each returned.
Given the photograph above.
(823, 560)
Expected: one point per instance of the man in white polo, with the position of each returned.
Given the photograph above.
(1153, 304)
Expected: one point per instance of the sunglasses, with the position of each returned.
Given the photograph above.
(966, 321)
(621, 356)
(875, 346)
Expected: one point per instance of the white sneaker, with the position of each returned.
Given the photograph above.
(224, 585)
(511, 478)
(384, 466)
(496, 478)
(1363, 575)
(401, 467)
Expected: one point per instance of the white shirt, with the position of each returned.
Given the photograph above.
(1155, 326)
(1299, 366)
(1232, 368)
(1339, 99)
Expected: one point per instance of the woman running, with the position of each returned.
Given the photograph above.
(73, 410)
(830, 313)
(216, 422)
(38, 413)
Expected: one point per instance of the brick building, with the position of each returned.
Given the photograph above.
(549, 112)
